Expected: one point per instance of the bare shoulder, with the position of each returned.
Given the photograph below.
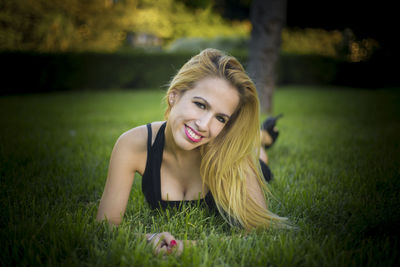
(136, 138)
(131, 146)
(133, 140)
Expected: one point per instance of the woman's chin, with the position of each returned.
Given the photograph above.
(188, 145)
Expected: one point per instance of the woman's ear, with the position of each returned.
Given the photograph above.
(173, 97)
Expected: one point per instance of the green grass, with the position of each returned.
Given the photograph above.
(336, 167)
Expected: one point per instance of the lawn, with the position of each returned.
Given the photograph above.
(336, 168)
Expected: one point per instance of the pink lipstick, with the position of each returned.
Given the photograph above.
(192, 134)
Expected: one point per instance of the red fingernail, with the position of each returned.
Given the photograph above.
(172, 243)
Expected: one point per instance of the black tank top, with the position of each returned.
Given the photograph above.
(151, 182)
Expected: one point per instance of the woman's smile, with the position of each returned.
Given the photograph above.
(192, 134)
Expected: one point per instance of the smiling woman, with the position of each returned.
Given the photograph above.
(209, 148)
(199, 115)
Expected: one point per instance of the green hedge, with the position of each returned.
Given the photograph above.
(74, 71)
(41, 72)
(306, 69)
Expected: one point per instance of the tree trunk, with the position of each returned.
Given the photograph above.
(268, 18)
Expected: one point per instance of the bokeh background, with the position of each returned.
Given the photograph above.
(107, 44)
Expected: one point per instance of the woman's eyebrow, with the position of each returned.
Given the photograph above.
(208, 105)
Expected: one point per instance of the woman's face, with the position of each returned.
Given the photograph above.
(198, 115)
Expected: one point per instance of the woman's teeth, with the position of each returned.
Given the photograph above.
(194, 136)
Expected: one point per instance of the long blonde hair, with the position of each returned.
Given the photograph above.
(233, 154)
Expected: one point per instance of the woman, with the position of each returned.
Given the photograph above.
(208, 148)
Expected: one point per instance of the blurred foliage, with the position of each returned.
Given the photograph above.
(112, 25)
(335, 44)
(343, 45)
(195, 44)
(103, 25)
(197, 3)
(171, 20)
(311, 41)
(64, 25)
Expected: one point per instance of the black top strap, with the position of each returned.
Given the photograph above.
(149, 136)
(151, 178)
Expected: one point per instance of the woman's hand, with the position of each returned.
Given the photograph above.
(165, 243)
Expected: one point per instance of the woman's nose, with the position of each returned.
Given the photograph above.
(203, 122)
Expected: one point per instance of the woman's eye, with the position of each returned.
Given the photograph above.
(221, 119)
(200, 105)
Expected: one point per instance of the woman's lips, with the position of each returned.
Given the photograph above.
(192, 134)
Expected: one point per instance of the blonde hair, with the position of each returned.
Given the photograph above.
(234, 153)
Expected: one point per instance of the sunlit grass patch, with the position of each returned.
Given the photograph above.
(336, 178)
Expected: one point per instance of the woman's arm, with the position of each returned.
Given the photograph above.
(128, 156)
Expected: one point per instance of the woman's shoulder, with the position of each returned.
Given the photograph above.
(130, 150)
(136, 138)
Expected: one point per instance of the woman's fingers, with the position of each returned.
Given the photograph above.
(175, 246)
(163, 249)
(165, 243)
(161, 241)
(169, 239)
(176, 249)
